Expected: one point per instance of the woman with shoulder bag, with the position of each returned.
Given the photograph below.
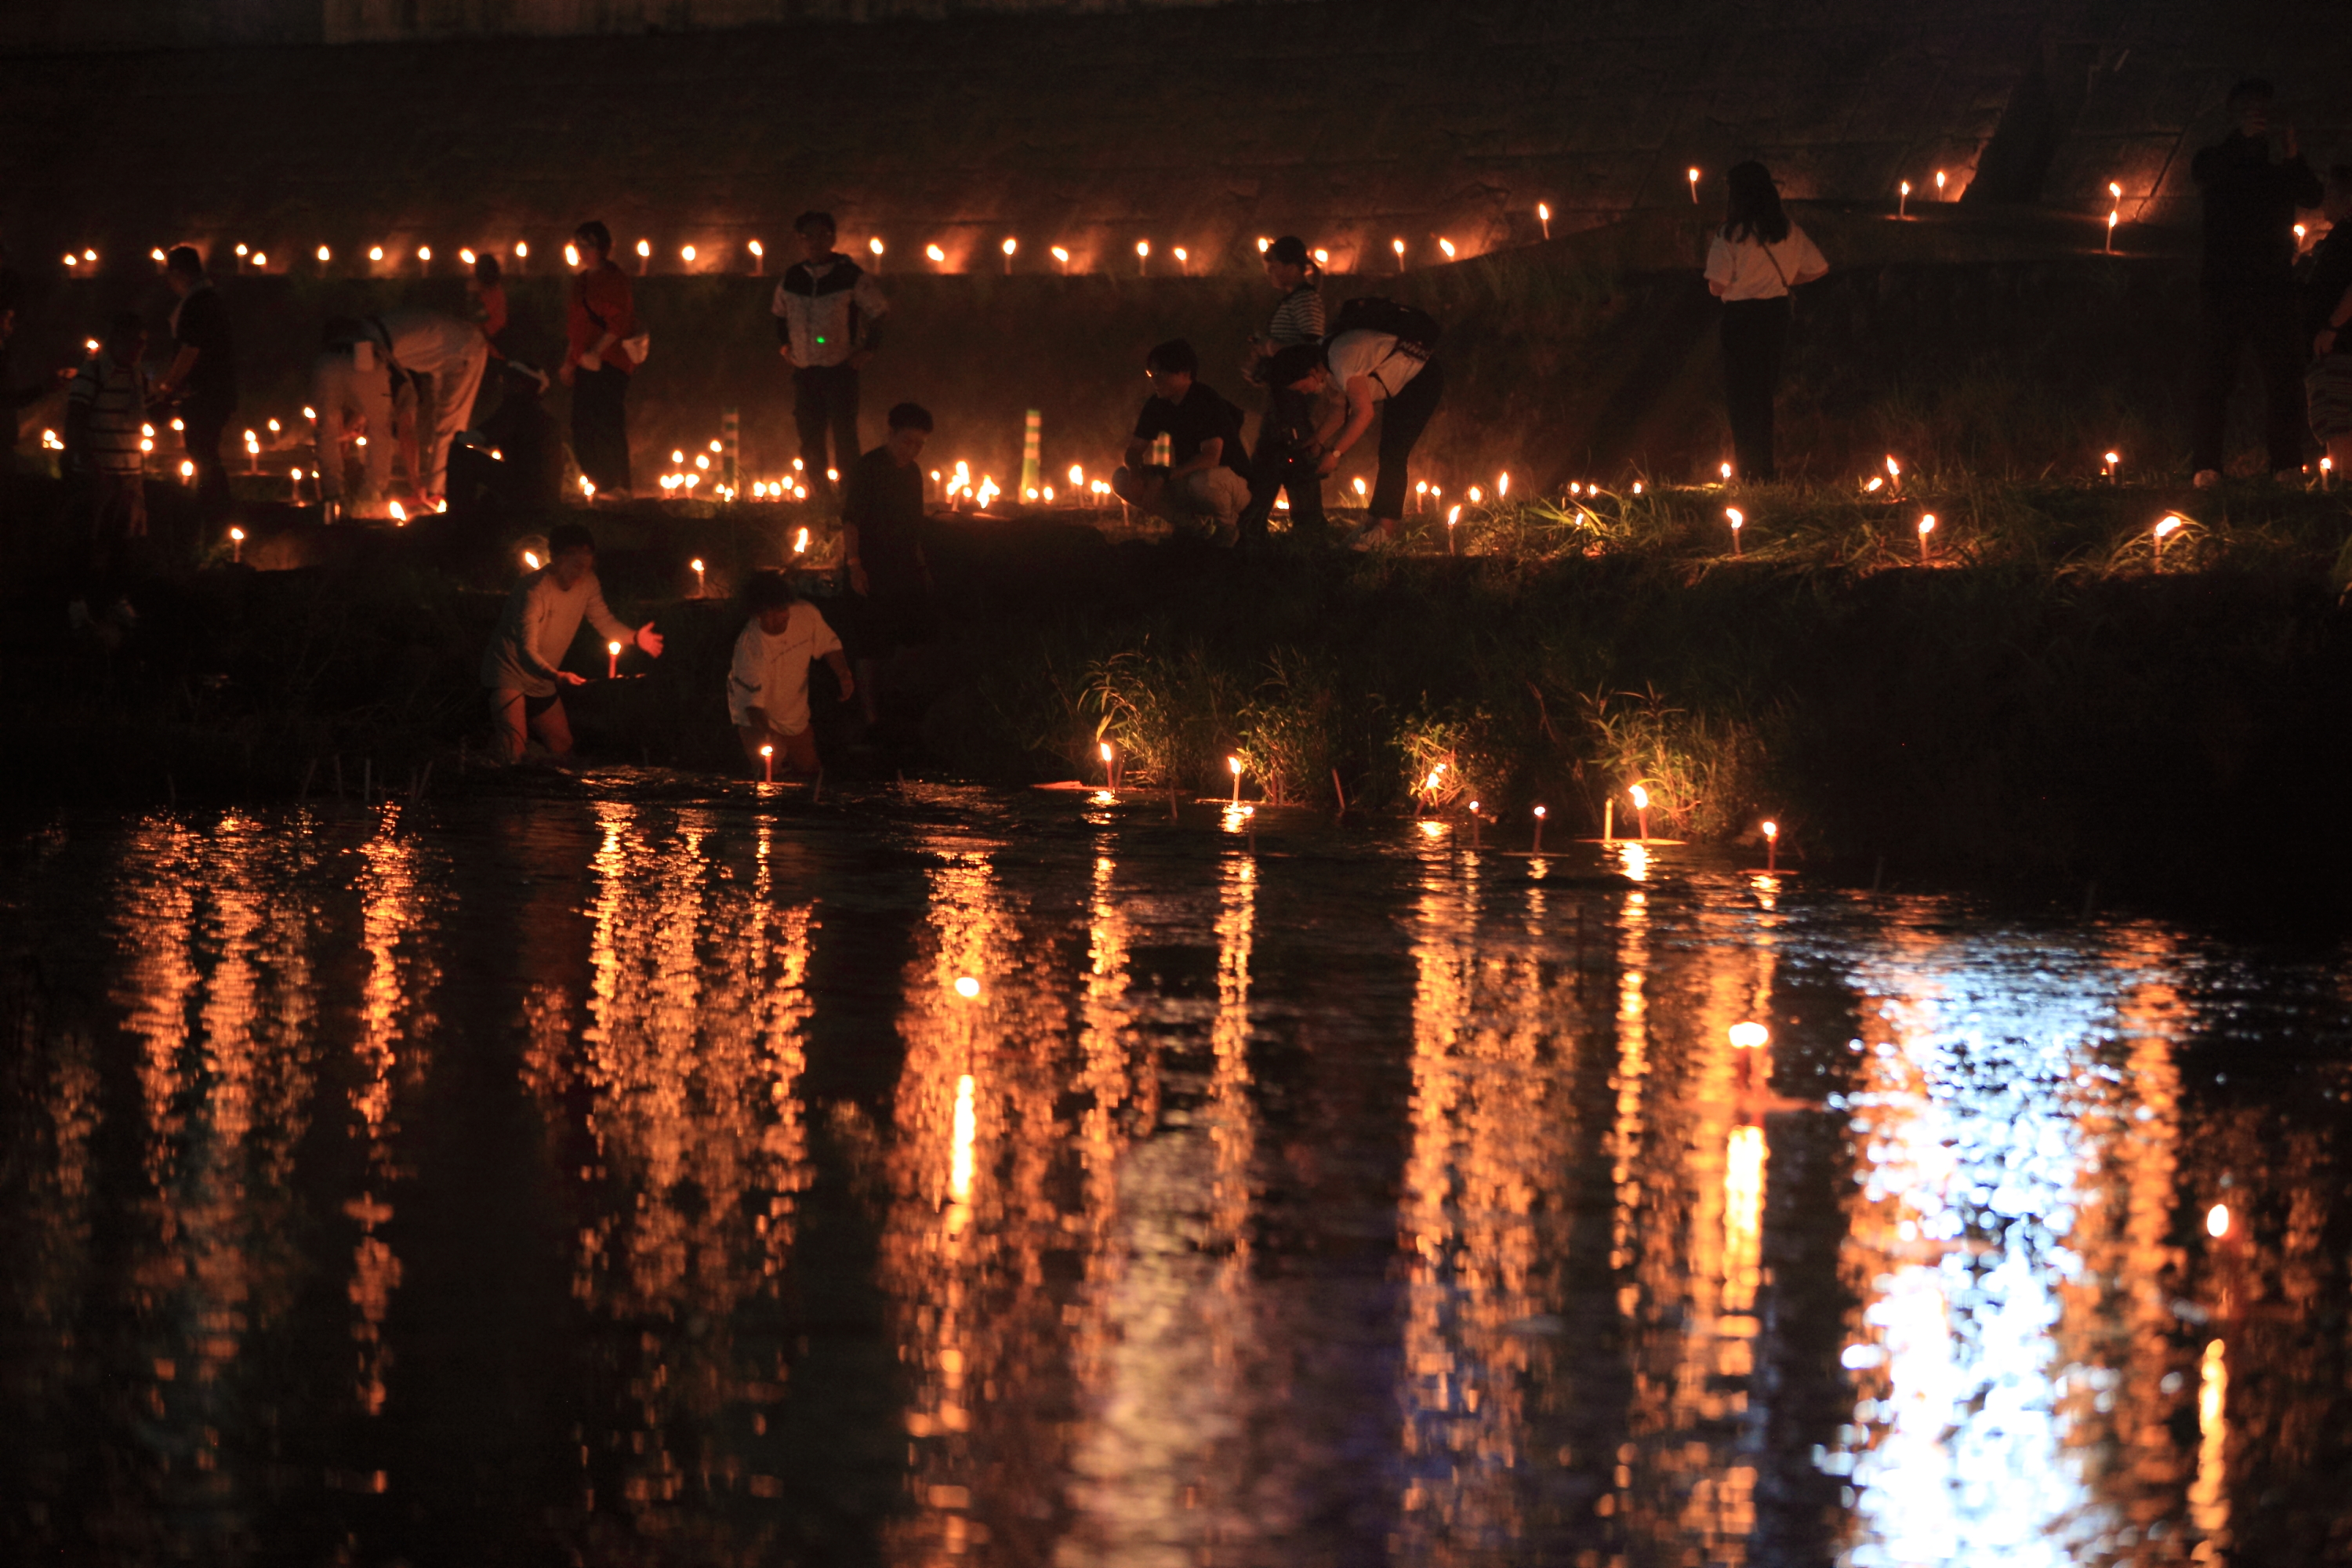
(1282, 461)
(1752, 262)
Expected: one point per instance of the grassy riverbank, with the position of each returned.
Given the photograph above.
(2035, 702)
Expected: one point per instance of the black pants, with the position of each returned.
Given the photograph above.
(824, 398)
(600, 425)
(1402, 419)
(2236, 316)
(1280, 463)
(202, 426)
(1754, 338)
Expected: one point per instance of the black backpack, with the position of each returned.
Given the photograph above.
(1413, 327)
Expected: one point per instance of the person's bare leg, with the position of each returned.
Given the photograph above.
(867, 688)
(555, 730)
(506, 713)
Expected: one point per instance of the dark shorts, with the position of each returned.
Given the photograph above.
(881, 624)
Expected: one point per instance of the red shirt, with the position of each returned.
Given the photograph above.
(601, 303)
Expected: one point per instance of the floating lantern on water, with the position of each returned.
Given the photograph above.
(1641, 799)
(1927, 527)
(768, 762)
(1772, 857)
(696, 564)
(1010, 245)
(1543, 216)
(1737, 520)
(1692, 176)
(2165, 529)
(236, 546)
(1142, 257)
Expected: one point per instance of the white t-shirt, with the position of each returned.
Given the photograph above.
(770, 673)
(1374, 354)
(1750, 270)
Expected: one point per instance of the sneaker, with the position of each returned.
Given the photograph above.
(2207, 478)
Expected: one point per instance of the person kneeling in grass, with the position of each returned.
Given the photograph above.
(767, 687)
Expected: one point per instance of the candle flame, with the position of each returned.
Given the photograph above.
(531, 559)
(1397, 245)
(1454, 516)
(571, 255)
(1894, 469)
(1264, 245)
(1539, 811)
(614, 648)
(1105, 749)
(1010, 245)
(757, 249)
(1476, 496)
(399, 514)
(1142, 247)
(2114, 189)
(521, 249)
(375, 253)
(1926, 525)
(1360, 488)
(800, 542)
(2169, 525)
(237, 534)
(1693, 176)
(767, 751)
(935, 252)
(686, 253)
(466, 254)
(1502, 486)
(967, 987)
(1771, 830)
(875, 245)
(423, 252)
(1737, 517)
(1641, 797)
(2217, 1221)
(1061, 255)
(1446, 246)
(1234, 765)
(644, 250)
(696, 564)
(324, 253)
(1747, 1036)
(1905, 187)
(1724, 470)
(1543, 212)
(2112, 458)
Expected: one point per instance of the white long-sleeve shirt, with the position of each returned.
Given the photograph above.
(536, 631)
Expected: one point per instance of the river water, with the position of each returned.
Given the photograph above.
(623, 1178)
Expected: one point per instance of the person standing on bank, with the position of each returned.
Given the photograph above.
(1207, 483)
(1752, 262)
(2246, 290)
(882, 550)
(522, 666)
(1358, 371)
(202, 375)
(828, 323)
(2328, 319)
(1286, 429)
(600, 329)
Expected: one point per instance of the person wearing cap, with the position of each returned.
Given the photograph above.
(201, 378)
(828, 315)
(522, 668)
(600, 327)
(767, 680)
(1280, 462)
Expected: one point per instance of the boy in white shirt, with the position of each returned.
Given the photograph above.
(767, 686)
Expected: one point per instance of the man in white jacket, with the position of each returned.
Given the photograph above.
(522, 668)
(828, 312)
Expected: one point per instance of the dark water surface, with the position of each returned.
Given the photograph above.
(628, 1180)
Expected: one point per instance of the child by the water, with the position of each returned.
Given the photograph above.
(767, 686)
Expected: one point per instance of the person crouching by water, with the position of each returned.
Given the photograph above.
(1282, 461)
(521, 667)
(1752, 262)
(1207, 483)
(766, 685)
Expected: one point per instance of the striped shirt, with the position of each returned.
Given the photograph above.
(1299, 318)
(116, 396)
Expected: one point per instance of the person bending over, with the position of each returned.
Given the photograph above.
(766, 685)
(882, 550)
(521, 666)
(1357, 373)
(1207, 483)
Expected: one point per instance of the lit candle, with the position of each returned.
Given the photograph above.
(1010, 245)
(1694, 187)
(2164, 531)
(2112, 459)
(1474, 825)
(375, 253)
(759, 258)
(1738, 521)
(1894, 472)
(1902, 198)
(1724, 469)
(1233, 766)
(295, 475)
(696, 564)
(1502, 485)
(1771, 846)
(424, 253)
(874, 248)
(612, 661)
(1927, 527)
(1062, 257)
(236, 546)
(325, 256)
(571, 255)
(768, 762)
(1543, 216)
(1452, 518)
(1940, 184)
(1641, 799)
(1540, 822)
(644, 257)
(1264, 245)
(1184, 261)
(466, 253)
(2326, 471)
(686, 253)
(1110, 774)
(2113, 214)
(522, 252)
(1398, 245)
(1142, 257)
(1322, 258)
(1446, 246)
(935, 252)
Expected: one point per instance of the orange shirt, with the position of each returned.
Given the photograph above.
(602, 302)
